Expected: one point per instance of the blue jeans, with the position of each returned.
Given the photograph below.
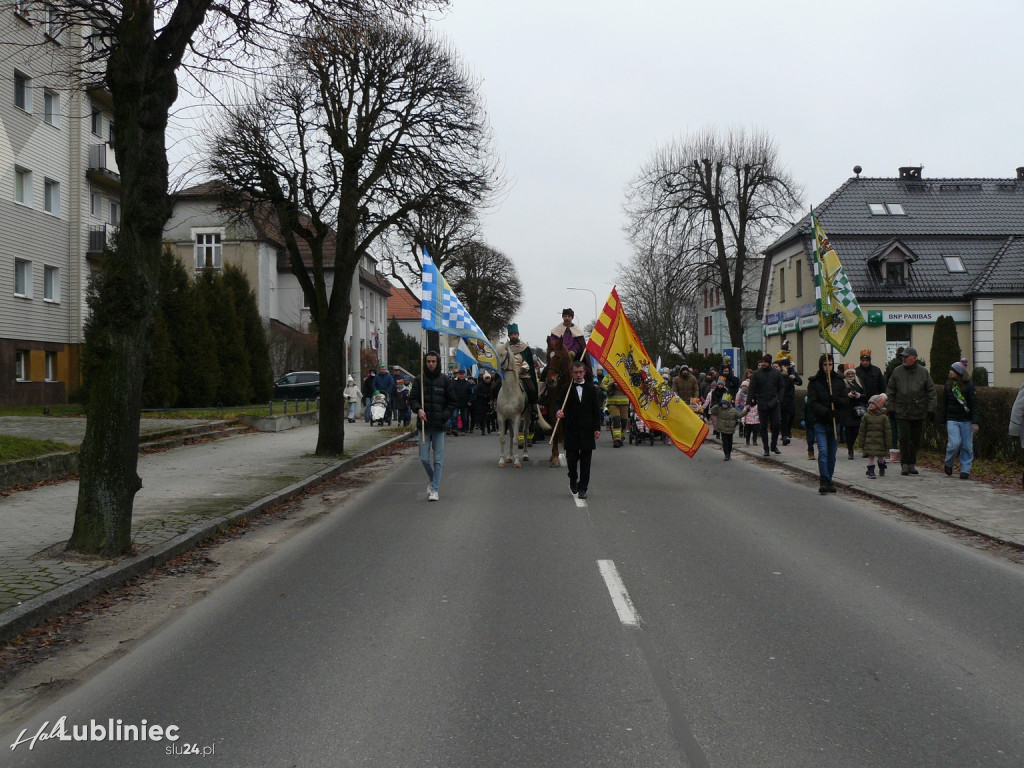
(366, 413)
(433, 438)
(961, 440)
(825, 437)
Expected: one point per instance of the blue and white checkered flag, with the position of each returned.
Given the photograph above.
(444, 312)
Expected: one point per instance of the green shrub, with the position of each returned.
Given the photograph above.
(980, 377)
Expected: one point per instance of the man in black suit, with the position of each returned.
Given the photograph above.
(581, 425)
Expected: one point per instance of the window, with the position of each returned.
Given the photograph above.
(95, 204)
(51, 366)
(954, 264)
(1017, 346)
(23, 278)
(22, 91)
(894, 274)
(51, 21)
(115, 213)
(110, 134)
(51, 284)
(23, 186)
(21, 365)
(883, 209)
(51, 108)
(208, 250)
(782, 285)
(51, 196)
(96, 121)
(799, 280)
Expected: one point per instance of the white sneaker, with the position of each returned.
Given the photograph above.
(432, 496)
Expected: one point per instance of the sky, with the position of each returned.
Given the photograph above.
(580, 93)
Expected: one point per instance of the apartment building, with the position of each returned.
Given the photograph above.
(59, 200)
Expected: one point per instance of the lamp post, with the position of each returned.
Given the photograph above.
(591, 293)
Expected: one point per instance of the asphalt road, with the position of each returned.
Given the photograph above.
(775, 627)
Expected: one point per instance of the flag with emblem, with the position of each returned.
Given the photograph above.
(444, 312)
(615, 345)
(839, 314)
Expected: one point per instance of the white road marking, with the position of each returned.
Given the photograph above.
(620, 597)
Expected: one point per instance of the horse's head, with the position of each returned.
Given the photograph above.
(555, 343)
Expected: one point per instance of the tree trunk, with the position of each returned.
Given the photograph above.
(143, 86)
(333, 365)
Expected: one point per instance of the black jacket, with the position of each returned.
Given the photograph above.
(825, 406)
(582, 419)
(871, 379)
(767, 385)
(953, 410)
(436, 398)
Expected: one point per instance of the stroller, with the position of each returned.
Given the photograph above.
(378, 408)
(638, 430)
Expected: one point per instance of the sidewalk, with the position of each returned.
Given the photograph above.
(968, 504)
(187, 494)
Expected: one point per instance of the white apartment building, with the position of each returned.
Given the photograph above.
(59, 197)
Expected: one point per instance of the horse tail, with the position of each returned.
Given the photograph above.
(543, 422)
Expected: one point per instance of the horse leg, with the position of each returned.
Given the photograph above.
(501, 445)
(516, 461)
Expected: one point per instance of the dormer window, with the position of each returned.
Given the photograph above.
(895, 272)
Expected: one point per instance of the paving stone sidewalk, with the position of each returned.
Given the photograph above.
(186, 492)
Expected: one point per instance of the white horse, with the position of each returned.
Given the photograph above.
(512, 407)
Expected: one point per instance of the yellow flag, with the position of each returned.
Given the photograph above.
(615, 345)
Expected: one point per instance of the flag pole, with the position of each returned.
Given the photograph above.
(559, 419)
(423, 364)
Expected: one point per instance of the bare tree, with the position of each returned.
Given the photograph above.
(487, 282)
(373, 122)
(713, 200)
(661, 307)
(133, 50)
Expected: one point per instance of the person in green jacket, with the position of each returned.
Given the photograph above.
(727, 417)
(875, 435)
(911, 392)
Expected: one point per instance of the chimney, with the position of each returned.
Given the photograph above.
(911, 172)
(1020, 173)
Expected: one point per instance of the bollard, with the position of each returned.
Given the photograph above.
(271, 407)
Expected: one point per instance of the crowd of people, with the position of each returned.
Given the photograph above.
(879, 414)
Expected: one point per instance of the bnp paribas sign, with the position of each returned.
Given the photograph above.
(884, 317)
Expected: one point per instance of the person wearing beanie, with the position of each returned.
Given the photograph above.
(685, 385)
(911, 393)
(875, 435)
(960, 412)
(767, 386)
(353, 395)
(828, 403)
(727, 417)
(871, 378)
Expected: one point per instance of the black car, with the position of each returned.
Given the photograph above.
(298, 385)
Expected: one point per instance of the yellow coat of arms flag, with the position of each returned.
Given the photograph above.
(614, 344)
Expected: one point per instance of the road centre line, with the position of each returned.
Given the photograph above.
(620, 597)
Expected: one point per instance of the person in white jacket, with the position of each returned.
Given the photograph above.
(352, 396)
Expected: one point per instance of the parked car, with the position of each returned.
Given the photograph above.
(298, 385)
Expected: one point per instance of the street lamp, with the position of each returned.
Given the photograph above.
(592, 294)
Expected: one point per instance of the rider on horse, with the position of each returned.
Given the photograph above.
(523, 363)
(572, 338)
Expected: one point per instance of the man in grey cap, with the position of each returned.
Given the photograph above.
(911, 393)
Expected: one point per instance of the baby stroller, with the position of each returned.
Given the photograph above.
(378, 408)
(638, 430)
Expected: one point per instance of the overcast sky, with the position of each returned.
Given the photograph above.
(581, 92)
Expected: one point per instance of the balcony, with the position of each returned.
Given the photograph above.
(103, 168)
(100, 236)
